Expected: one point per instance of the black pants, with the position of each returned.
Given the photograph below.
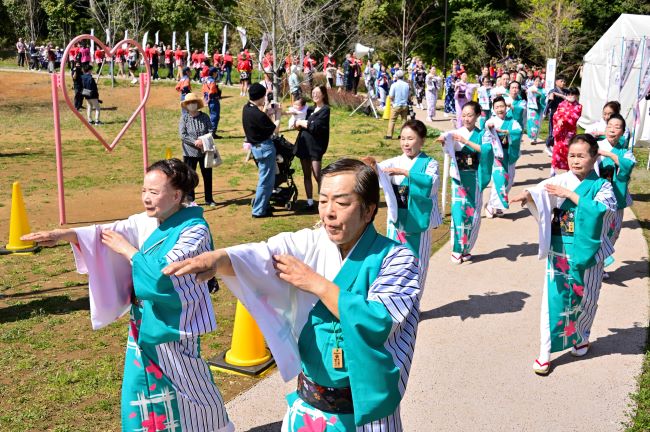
(206, 173)
(170, 71)
(78, 99)
(549, 139)
(154, 70)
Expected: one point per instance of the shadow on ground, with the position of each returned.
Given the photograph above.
(510, 252)
(55, 305)
(477, 305)
(271, 427)
(627, 271)
(629, 341)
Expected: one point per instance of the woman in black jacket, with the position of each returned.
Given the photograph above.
(313, 139)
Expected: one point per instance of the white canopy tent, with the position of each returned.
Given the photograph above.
(601, 70)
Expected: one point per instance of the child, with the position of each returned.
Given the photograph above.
(615, 164)
(90, 93)
(597, 129)
(570, 209)
(470, 171)
(298, 111)
(411, 182)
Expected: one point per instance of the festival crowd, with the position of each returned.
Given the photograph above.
(339, 303)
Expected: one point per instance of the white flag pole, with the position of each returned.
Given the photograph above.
(223, 46)
(156, 37)
(92, 44)
(205, 36)
(187, 46)
(173, 40)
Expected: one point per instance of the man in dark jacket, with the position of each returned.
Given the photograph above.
(260, 120)
(91, 94)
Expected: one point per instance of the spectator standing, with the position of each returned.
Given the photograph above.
(419, 82)
(357, 74)
(77, 85)
(51, 58)
(21, 51)
(193, 124)
(348, 72)
(382, 85)
(179, 60)
(399, 97)
(169, 62)
(120, 59)
(91, 94)
(154, 61)
(313, 140)
(34, 64)
(184, 86)
(132, 61)
(212, 95)
(84, 55)
(261, 121)
(227, 67)
(244, 67)
(294, 84)
(309, 64)
(99, 59)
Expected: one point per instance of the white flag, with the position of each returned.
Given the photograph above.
(645, 70)
(108, 37)
(242, 36)
(156, 42)
(263, 46)
(187, 45)
(223, 47)
(126, 34)
(629, 54)
(144, 39)
(205, 36)
(173, 40)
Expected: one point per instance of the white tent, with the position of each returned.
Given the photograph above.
(601, 69)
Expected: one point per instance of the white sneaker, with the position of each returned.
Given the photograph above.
(466, 257)
(580, 350)
(489, 212)
(456, 258)
(548, 151)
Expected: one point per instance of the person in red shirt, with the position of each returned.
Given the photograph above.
(169, 63)
(120, 59)
(244, 67)
(288, 62)
(195, 65)
(179, 59)
(217, 61)
(154, 61)
(267, 62)
(73, 55)
(227, 67)
(309, 64)
(99, 59)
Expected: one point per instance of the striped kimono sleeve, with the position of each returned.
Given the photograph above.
(397, 287)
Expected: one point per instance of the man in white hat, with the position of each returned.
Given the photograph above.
(194, 124)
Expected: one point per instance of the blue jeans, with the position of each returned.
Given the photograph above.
(215, 109)
(264, 155)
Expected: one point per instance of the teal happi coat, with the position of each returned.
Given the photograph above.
(167, 386)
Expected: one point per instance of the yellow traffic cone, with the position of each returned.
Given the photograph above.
(18, 226)
(168, 153)
(386, 114)
(248, 354)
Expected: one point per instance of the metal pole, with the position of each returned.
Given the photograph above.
(444, 48)
(57, 146)
(143, 124)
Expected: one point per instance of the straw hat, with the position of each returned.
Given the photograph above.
(192, 97)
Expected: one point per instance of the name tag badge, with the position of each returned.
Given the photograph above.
(469, 160)
(337, 358)
(569, 227)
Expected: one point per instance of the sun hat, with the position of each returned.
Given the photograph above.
(192, 97)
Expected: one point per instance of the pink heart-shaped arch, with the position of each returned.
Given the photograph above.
(109, 53)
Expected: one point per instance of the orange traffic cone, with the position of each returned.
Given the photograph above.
(168, 153)
(248, 354)
(386, 114)
(18, 226)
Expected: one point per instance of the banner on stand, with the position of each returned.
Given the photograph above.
(630, 50)
(551, 65)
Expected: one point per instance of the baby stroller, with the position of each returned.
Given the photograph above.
(284, 196)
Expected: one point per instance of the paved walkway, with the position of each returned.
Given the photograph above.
(478, 337)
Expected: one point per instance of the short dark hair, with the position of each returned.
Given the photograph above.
(416, 126)
(614, 105)
(475, 106)
(573, 91)
(366, 180)
(87, 68)
(180, 175)
(499, 99)
(589, 139)
(618, 117)
(514, 82)
(302, 100)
